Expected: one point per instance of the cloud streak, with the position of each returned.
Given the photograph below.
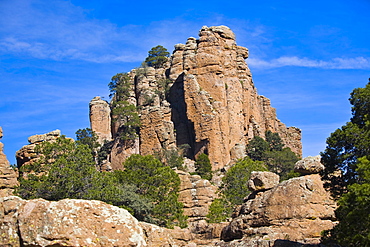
(335, 63)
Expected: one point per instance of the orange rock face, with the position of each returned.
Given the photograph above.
(210, 104)
(100, 119)
(222, 107)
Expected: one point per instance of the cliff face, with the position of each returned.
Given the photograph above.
(212, 104)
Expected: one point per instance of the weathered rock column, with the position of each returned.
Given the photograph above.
(100, 119)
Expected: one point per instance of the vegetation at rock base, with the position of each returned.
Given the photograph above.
(157, 56)
(88, 137)
(124, 112)
(157, 182)
(347, 170)
(234, 189)
(279, 159)
(203, 166)
(66, 169)
(172, 157)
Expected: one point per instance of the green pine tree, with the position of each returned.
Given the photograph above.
(157, 57)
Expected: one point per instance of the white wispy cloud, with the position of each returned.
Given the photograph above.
(335, 63)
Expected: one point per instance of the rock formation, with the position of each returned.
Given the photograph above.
(72, 222)
(297, 210)
(8, 177)
(26, 155)
(100, 119)
(262, 181)
(196, 194)
(211, 105)
(309, 165)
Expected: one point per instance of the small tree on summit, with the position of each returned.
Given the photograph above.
(157, 56)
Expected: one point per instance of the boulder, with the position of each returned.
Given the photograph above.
(309, 165)
(67, 222)
(262, 180)
(298, 209)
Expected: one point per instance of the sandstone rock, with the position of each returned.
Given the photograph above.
(203, 97)
(67, 223)
(26, 155)
(216, 103)
(262, 180)
(8, 177)
(298, 209)
(100, 119)
(51, 136)
(309, 165)
(196, 194)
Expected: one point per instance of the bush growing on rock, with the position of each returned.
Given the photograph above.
(123, 111)
(157, 182)
(157, 56)
(279, 159)
(234, 189)
(203, 166)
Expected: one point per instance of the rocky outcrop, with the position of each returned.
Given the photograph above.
(203, 97)
(309, 165)
(100, 119)
(221, 105)
(67, 223)
(8, 177)
(72, 222)
(298, 210)
(196, 194)
(26, 155)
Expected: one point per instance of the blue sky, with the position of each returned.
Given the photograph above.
(56, 55)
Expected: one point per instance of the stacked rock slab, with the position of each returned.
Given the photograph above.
(196, 194)
(295, 211)
(26, 155)
(8, 177)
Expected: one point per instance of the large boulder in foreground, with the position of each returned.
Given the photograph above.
(67, 222)
(298, 209)
(72, 222)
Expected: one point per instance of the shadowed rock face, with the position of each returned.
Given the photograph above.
(212, 104)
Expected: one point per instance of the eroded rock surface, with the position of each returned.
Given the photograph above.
(100, 119)
(196, 194)
(298, 209)
(26, 155)
(204, 97)
(217, 105)
(309, 165)
(262, 180)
